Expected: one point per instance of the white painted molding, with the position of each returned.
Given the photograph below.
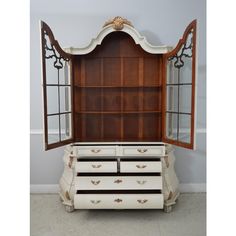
(141, 40)
(54, 188)
(41, 132)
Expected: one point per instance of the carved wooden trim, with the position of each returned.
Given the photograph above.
(170, 195)
(46, 30)
(191, 26)
(67, 195)
(117, 23)
(167, 161)
(70, 162)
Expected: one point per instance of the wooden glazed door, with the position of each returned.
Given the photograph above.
(179, 91)
(57, 91)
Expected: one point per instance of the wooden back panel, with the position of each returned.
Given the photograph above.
(117, 92)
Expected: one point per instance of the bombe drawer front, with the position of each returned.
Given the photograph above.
(118, 182)
(140, 166)
(118, 201)
(96, 166)
(95, 151)
(143, 151)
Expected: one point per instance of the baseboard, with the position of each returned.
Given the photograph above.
(54, 188)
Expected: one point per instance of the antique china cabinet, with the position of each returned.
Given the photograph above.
(119, 105)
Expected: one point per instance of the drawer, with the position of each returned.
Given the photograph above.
(96, 166)
(96, 151)
(140, 166)
(118, 201)
(118, 182)
(144, 151)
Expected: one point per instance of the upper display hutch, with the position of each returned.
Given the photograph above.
(119, 88)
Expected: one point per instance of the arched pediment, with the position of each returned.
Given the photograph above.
(118, 24)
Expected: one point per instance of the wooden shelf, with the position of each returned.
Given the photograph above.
(107, 86)
(117, 112)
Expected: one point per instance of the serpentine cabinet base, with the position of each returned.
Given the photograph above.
(119, 176)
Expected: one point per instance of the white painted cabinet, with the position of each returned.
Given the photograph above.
(119, 104)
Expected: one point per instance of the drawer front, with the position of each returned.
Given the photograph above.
(118, 182)
(96, 166)
(144, 151)
(118, 201)
(140, 166)
(96, 151)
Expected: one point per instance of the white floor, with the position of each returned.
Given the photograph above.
(48, 218)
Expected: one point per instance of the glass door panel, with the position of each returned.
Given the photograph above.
(179, 90)
(56, 91)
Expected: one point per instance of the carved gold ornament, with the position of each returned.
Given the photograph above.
(118, 23)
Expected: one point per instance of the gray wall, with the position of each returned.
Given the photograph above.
(74, 23)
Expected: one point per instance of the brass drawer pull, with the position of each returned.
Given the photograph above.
(95, 201)
(141, 182)
(117, 181)
(142, 201)
(142, 150)
(94, 182)
(95, 150)
(96, 166)
(118, 200)
(141, 166)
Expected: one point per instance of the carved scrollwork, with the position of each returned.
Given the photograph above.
(118, 23)
(51, 48)
(51, 52)
(186, 50)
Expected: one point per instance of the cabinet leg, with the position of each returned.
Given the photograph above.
(69, 209)
(167, 209)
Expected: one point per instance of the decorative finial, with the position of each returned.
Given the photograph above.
(118, 23)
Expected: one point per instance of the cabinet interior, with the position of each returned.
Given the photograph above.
(117, 92)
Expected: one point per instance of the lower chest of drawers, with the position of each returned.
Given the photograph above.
(118, 184)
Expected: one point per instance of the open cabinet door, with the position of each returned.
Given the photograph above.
(57, 91)
(179, 91)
